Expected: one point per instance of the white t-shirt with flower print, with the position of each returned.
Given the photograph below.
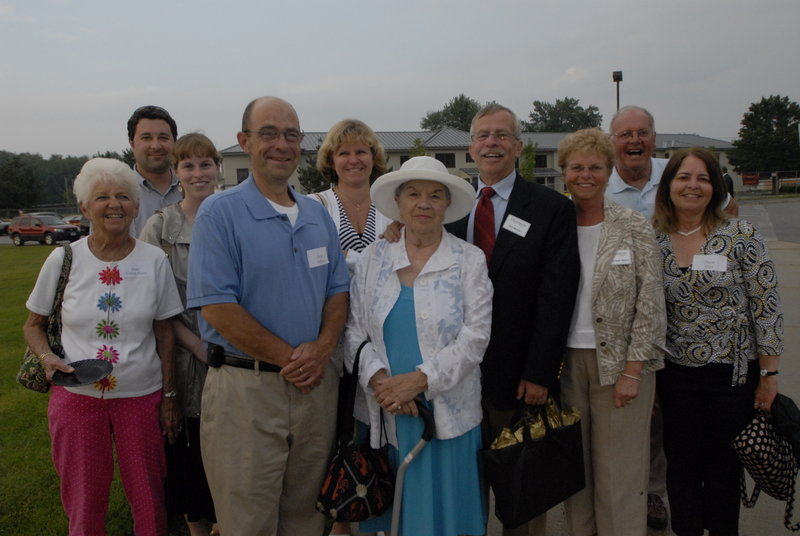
(108, 313)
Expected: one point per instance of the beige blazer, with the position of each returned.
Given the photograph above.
(628, 308)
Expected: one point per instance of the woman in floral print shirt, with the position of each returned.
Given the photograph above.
(118, 302)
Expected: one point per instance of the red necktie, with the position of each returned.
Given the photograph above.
(483, 225)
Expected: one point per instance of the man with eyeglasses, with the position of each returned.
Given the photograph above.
(152, 133)
(633, 184)
(269, 277)
(636, 175)
(528, 233)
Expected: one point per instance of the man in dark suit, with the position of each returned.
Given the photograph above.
(534, 267)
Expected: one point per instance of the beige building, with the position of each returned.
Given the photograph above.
(450, 146)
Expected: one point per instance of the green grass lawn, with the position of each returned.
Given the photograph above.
(29, 487)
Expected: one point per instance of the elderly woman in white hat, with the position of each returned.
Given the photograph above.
(424, 304)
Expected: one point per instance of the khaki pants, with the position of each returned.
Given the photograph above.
(616, 451)
(265, 449)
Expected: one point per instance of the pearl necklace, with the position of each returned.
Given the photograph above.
(689, 233)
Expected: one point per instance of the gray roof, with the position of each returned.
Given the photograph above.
(670, 141)
(445, 138)
(450, 138)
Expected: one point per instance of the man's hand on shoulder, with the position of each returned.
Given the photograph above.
(532, 393)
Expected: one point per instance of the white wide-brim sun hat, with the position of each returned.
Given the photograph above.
(462, 194)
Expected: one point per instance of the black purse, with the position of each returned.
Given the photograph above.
(767, 456)
(530, 477)
(359, 484)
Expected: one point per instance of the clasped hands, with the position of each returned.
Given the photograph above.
(396, 394)
(306, 366)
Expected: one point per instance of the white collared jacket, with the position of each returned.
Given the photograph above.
(453, 309)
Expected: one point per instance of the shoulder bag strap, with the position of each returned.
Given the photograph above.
(54, 321)
(348, 386)
(321, 199)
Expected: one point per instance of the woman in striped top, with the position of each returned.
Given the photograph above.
(351, 157)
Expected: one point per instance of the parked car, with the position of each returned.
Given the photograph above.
(46, 229)
(80, 221)
(4, 227)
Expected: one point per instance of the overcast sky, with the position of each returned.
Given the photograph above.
(72, 71)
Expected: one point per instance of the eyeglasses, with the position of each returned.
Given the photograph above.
(594, 169)
(501, 136)
(271, 134)
(627, 135)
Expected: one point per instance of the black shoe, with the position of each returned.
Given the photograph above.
(657, 516)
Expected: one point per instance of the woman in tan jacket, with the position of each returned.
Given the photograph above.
(615, 344)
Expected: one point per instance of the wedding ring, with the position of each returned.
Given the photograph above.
(396, 406)
(301, 370)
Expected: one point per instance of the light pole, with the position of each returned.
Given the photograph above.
(617, 76)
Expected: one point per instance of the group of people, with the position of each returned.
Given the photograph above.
(471, 302)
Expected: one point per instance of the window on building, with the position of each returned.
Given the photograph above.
(242, 174)
(448, 159)
(541, 161)
(550, 182)
(403, 158)
(469, 157)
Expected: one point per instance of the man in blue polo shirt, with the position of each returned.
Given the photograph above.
(266, 270)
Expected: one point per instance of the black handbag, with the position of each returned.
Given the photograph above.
(31, 372)
(768, 458)
(786, 418)
(530, 477)
(359, 484)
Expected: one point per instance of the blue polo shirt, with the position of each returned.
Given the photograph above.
(643, 200)
(243, 251)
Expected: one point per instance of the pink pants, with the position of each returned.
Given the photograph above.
(82, 430)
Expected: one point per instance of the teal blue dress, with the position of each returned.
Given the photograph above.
(443, 493)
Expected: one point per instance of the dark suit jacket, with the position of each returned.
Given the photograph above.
(535, 281)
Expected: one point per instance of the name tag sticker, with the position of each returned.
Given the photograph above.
(711, 263)
(518, 226)
(317, 257)
(134, 271)
(622, 256)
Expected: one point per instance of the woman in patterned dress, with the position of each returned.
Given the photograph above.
(118, 304)
(724, 339)
(424, 304)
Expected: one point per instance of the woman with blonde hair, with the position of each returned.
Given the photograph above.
(615, 344)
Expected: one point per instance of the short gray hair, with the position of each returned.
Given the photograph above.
(628, 109)
(105, 170)
(492, 108)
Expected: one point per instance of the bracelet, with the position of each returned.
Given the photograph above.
(630, 376)
(42, 356)
(170, 394)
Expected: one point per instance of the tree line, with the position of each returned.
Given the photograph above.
(767, 141)
(27, 179)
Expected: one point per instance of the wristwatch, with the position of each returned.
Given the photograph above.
(173, 393)
(765, 372)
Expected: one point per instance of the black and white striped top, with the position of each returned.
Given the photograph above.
(348, 237)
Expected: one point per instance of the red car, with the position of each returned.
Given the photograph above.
(45, 229)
